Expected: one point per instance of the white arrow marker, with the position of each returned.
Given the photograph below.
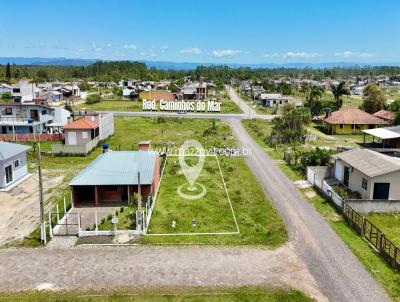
(191, 172)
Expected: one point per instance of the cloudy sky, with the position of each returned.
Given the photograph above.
(203, 31)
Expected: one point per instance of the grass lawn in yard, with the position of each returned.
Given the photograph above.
(122, 104)
(249, 294)
(389, 223)
(378, 268)
(212, 212)
(258, 220)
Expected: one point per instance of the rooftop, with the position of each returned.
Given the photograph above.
(369, 162)
(118, 168)
(82, 123)
(353, 116)
(8, 150)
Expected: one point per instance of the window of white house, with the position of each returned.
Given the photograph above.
(16, 164)
(84, 135)
(364, 184)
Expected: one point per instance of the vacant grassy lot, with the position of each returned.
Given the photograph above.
(249, 294)
(211, 212)
(385, 275)
(389, 223)
(258, 220)
(122, 104)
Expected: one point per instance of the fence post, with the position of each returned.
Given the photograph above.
(396, 252)
(95, 221)
(79, 222)
(50, 226)
(65, 206)
(58, 214)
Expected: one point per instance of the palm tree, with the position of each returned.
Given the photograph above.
(339, 90)
(314, 95)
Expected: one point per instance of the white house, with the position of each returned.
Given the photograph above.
(13, 164)
(272, 99)
(373, 175)
(24, 91)
(5, 88)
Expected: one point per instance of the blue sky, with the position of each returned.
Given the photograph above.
(203, 31)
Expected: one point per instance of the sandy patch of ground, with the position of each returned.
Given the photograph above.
(19, 208)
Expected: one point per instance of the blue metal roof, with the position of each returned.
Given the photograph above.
(118, 168)
(8, 150)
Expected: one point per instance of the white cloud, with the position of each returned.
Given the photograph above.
(164, 48)
(193, 51)
(354, 54)
(130, 46)
(301, 54)
(294, 55)
(96, 48)
(225, 53)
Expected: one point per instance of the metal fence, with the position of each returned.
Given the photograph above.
(373, 235)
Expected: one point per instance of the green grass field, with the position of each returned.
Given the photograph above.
(389, 223)
(212, 212)
(378, 268)
(249, 294)
(258, 220)
(122, 104)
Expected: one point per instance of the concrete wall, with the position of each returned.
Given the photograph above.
(82, 136)
(375, 206)
(18, 173)
(106, 125)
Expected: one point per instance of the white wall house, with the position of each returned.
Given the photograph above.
(24, 91)
(13, 164)
(373, 175)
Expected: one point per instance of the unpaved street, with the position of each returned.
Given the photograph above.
(146, 267)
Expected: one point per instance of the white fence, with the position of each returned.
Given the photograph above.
(326, 189)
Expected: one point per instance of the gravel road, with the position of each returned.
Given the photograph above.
(338, 272)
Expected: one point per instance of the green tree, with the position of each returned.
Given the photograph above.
(396, 120)
(6, 97)
(373, 99)
(313, 99)
(93, 99)
(8, 72)
(338, 91)
(395, 106)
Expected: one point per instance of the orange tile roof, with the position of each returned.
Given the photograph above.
(82, 123)
(386, 115)
(353, 116)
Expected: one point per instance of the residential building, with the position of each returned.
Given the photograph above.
(386, 115)
(34, 118)
(272, 99)
(113, 177)
(389, 137)
(157, 95)
(350, 121)
(373, 175)
(13, 164)
(24, 91)
(84, 134)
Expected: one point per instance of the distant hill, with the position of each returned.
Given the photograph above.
(180, 66)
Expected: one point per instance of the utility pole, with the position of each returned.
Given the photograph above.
(42, 225)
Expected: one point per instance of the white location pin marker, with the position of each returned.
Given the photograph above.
(191, 172)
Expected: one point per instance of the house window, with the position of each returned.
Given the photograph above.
(16, 164)
(364, 184)
(7, 111)
(341, 126)
(84, 135)
(9, 174)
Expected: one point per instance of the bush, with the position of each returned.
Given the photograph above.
(93, 99)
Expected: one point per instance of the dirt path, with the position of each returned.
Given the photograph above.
(147, 267)
(19, 208)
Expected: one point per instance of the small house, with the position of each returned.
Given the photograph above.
(385, 115)
(350, 121)
(373, 175)
(13, 164)
(273, 99)
(114, 176)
